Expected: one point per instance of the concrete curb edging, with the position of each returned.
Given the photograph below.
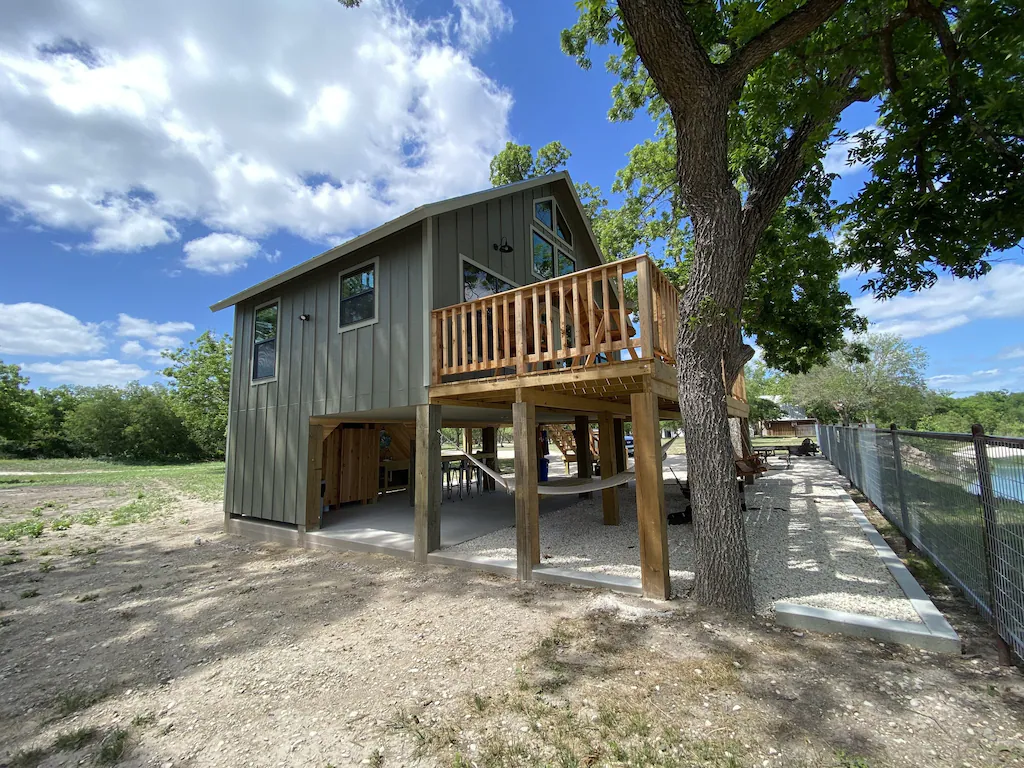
(553, 575)
(933, 634)
(474, 562)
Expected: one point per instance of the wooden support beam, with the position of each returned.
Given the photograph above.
(524, 441)
(412, 473)
(314, 474)
(620, 445)
(490, 445)
(609, 496)
(584, 459)
(468, 439)
(650, 497)
(427, 521)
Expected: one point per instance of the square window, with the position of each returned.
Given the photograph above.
(544, 213)
(358, 301)
(543, 258)
(264, 353)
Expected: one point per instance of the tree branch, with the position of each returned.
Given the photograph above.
(790, 29)
(773, 186)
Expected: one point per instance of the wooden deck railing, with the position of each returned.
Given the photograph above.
(584, 318)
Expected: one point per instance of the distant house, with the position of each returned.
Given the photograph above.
(794, 423)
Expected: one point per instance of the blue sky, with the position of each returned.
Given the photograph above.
(154, 160)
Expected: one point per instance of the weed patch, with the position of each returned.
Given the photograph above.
(140, 510)
(62, 523)
(15, 531)
(28, 593)
(88, 517)
(10, 559)
(28, 758)
(75, 740)
(69, 702)
(113, 747)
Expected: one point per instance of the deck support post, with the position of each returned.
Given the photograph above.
(650, 496)
(620, 445)
(314, 474)
(524, 440)
(490, 445)
(427, 521)
(606, 441)
(584, 459)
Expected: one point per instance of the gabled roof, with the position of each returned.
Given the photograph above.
(415, 216)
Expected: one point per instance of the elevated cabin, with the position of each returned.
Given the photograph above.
(488, 309)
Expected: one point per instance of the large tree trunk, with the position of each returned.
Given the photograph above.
(709, 311)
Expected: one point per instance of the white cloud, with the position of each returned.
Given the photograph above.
(979, 381)
(948, 304)
(219, 253)
(481, 20)
(837, 156)
(38, 329)
(248, 118)
(86, 372)
(135, 349)
(1012, 353)
(159, 335)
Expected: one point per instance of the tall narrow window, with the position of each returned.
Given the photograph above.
(543, 258)
(562, 227)
(358, 296)
(264, 352)
(543, 212)
(566, 263)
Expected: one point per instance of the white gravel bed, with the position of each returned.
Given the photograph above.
(805, 547)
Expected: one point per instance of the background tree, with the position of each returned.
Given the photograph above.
(15, 414)
(885, 386)
(762, 383)
(200, 381)
(754, 92)
(50, 410)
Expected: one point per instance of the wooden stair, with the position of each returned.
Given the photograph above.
(564, 437)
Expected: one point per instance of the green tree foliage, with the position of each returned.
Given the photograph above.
(516, 162)
(15, 415)
(1000, 413)
(887, 386)
(200, 380)
(762, 382)
(134, 423)
(50, 409)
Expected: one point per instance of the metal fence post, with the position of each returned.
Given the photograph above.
(898, 459)
(988, 508)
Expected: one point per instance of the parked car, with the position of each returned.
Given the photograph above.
(629, 445)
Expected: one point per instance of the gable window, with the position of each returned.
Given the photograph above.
(478, 283)
(358, 302)
(550, 228)
(566, 263)
(264, 351)
(543, 257)
(543, 211)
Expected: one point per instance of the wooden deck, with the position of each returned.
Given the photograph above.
(574, 343)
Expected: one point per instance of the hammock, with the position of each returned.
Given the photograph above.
(558, 489)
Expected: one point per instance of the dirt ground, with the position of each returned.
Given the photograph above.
(164, 642)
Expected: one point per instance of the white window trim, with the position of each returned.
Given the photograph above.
(376, 295)
(463, 260)
(554, 251)
(277, 346)
(556, 212)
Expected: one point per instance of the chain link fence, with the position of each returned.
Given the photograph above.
(959, 499)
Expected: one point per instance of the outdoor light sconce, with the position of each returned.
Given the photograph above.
(303, 318)
(504, 247)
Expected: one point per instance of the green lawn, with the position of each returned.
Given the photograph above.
(203, 480)
(759, 441)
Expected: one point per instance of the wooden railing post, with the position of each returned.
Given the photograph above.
(646, 306)
(520, 333)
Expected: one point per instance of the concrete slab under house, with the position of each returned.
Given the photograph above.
(355, 370)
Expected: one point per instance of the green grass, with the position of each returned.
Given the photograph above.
(75, 740)
(113, 747)
(70, 702)
(760, 442)
(204, 480)
(55, 465)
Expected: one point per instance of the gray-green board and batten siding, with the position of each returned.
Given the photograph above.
(321, 372)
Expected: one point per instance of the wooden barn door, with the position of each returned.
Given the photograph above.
(351, 462)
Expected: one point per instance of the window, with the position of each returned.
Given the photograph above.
(358, 302)
(543, 211)
(551, 227)
(566, 263)
(478, 283)
(543, 257)
(264, 351)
